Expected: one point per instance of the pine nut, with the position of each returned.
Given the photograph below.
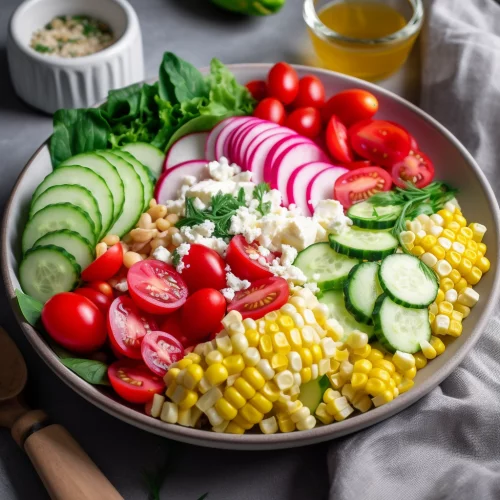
(157, 212)
(163, 224)
(145, 222)
(152, 203)
(173, 218)
(111, 239)
(159, 242)
(172, 231)
(143, 235)
(131, 258)
(124, 246)
(100, 249)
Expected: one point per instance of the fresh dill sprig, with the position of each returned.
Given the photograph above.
(259, 191)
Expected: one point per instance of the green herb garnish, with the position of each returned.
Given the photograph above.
(258, 193)
(43, 48)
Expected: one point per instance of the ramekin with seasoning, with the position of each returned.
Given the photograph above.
(70, 53)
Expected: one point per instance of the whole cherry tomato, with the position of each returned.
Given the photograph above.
(103, 287)
(305, 121)
(351, 106)
(258, 89)
(270, 109)
(102, 301)
(283, 83)
(311, 93)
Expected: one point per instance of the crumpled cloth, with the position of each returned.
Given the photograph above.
(446, 446)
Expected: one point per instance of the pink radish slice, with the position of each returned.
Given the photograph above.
(297, 184)
(289, 160)
(236, 138)
(247, 138)
(225, 133)
(321, 186)
(187, 148)
(278, 149)
(257, 141)
(258, 158)
(212, 137)
(170, 181)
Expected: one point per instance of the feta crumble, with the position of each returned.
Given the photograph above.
(182, 250)
(330, 215)
(161, 253)
(228, 293)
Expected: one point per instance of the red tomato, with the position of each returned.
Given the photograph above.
(258, 89)
(156, 287)
(336, 141)
(134, 382)
(311, 93)
(358, 185)
(239, 257)
(416, 168)
(172, 325)
(413, 141)
(202, 313)
(127, 326)
(351, 106)
(283, 82)
(103, 287)
(74, 322)
(105, 266)
(159, 350)
(357, 164)
(270, 109)
(305, 121)
(263, 296)
(381, 142)
(102, 301)
(203, 268)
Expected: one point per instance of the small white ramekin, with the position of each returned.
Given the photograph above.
(51, 82)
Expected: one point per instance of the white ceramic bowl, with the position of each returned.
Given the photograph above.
(51, 82)
(453, 163)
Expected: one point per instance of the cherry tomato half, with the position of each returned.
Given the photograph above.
(202, 314)
(203, 268)
(258, 89)
(102, 301)
(381, 142)
(103, 287)
(261, 297)
(156, 287)
(311, 93)
(159, 350)
(127, 326)
(172, 325)
(357, 164)
(351, 106)
(105, 266)
(358, 185)
(337, 142)
(283, 82)
(416, 168)
(134, 382)
(244, 260)
(74, 322)
(270, 109)
(305, 121)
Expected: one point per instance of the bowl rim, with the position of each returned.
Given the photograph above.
(56, 61)
(256, 441)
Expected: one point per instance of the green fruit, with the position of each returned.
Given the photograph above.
(251, 7)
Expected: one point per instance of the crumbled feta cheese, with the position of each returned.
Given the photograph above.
(189, 180)
(246, 223)
(312, 286)
(205, 190)
(263, 251)
(177, 239)
(292, 274)
(235, 283)
(205, 229)
(198, 204)
(288, 255)
(330, 215)
(182, 250)
(228, 293)
(161, 253)
(196, 233)
(221, 170)
(121, 286)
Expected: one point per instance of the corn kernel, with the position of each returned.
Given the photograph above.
(446, 284)
(171, 376)
(314, 371)
(334, 366)
(322, 415)
(461, 285)
(460, 238)
(363, 352)
(375, 386)
(458, 247)
(449, 235)
(436, 231)
(443, 268)
(286, 425)
(342, 415)
(474, 277)
(428, 242)
(305, 375)
(269, 425)
(483, 264)
(363, 366)
(432, 316)
(232, 396)
(419, 236)
(468, 297)
(465, 310)
(438, 345)
(418, 251)
(397, 377)
(445, 308)
(359, 380)
(411, 373)
(169, 413)
(270, 391)
(280, 343)
(472, 245)
(438, 251)
(224, 345)
(461, 221)
(427, 350)
(251, 356)
(403, 361)
(478, 231)
(455, 329)
(386, 364)
(244, 388)
(374, 356)
(216, 374)
(457, 316)
(441, 324)
(225, 409)
(266, 346)
(306, 356)
(481, 247)
(341, 355)
(253, 337)
(446, 215)
(306, 424)
(467, 232)
(336, 380)
(233, 428)
(271, 316)
(405, 385)
(346, 369)
(451, 296)
(382, 399)
(261, 403)
(171, 389)
(445, 243)
(379, 373)
(455, 276)
(251, 414)
(279, 362)
(316, 352)
(284, 380)
(453, 226)
(429, 258)
(407, 237)
(242, 422)
(234, 364)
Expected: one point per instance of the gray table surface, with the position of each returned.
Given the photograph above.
(197, 31)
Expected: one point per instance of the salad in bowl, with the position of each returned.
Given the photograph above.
(259, 258)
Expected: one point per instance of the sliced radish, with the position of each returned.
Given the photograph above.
(187, 148)
(296, 189)
(213, 135)
(289, 160)
(258, 157)
(321, 186)
(278, 149)
(225, 133)
(245, 140)
(257, 141)
(237, 136)
(170, 181)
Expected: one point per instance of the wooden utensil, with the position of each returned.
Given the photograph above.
(65, 469)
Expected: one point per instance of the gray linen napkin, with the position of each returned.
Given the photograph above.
(447, 445)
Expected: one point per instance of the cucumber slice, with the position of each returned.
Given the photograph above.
(108, 172)
(76, 195)
(311, 393)
(323, 265)
(48, 270)
(334, 299)
(148, 155)
(135, 194)
(142, 171)
(85, 177)
(361, 291)
(55, 217)
(364, 243)
(369, 216)
(408, 281)
(72, 242)
(400, 328)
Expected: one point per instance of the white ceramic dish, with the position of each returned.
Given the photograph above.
(50, 82)
(453, 163)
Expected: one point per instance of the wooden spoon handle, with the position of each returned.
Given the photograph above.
(65, 469)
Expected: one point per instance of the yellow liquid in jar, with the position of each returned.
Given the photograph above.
(362, 20)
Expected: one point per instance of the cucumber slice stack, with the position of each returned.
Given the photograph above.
(368, 216)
